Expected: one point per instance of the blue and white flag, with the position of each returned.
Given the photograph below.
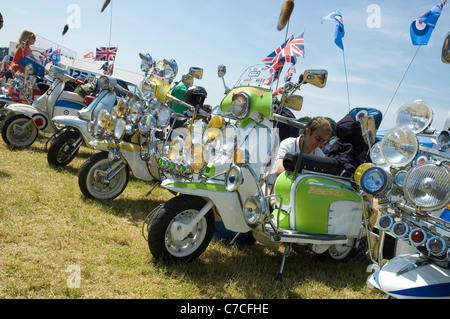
(340, 31)
(422, 27)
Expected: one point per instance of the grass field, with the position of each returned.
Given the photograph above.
(55, 243)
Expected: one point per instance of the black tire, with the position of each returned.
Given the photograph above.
(60, 153)
(339, 253)
(89, 183)
(19, 138)
(160, 242)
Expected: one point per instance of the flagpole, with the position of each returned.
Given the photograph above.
(346, 80)
(285, 39)
(110, 24)
(401, 81)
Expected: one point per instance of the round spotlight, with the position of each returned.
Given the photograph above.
(400, 229)
(254, 208)
(233, 178)
(385, 222)
(436, 245)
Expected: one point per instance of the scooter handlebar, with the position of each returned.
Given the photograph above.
(289, 121)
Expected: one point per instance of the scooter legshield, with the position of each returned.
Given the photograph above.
(401, 278)
(318, 205)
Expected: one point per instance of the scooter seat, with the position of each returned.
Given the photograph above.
(310, 162)
(179, 121)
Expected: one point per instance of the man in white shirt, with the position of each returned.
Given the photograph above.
(316, 134)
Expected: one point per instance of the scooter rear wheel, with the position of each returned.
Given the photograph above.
(90, 182)
(339, 253)
(182, 209)
(17, 134)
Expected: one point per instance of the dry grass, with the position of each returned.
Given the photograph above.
(47, 229)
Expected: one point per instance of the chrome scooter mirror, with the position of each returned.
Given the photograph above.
(196, 72)
(294, 102)
(146, 62)
(446, 49)
(316, 77)
(368, 129)
(221, 71)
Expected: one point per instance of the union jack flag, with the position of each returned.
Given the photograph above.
(46, 57)
(288, 52)
(106, 54)
(109, 70)
(290, 72)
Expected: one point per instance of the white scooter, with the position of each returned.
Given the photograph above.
(67, 141)
(23, 122)
(411, 183)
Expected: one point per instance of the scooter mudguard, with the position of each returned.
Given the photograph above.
(403, 278)
(74, 122)
(227, 203)
(318, 205)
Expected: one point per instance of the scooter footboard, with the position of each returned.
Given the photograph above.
(227, 204)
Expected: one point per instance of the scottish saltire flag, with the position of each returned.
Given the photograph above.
(290, 72)
(340, 31)
(105, 54)
(45, 56)
(422, 27)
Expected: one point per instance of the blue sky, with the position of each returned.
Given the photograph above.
(241, 33)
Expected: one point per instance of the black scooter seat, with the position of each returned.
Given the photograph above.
(310, 162)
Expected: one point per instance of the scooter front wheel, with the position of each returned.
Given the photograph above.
(19, 131)
(94, 180)
(62, 151)
(163, 241)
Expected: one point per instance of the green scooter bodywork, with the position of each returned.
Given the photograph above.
(310, 203)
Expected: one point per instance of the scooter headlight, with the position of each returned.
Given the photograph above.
(254, 209)
(436, 245)
(163, 116)
(240, 105)
(103, 82)
(399, 147)
(427, 186)
(400, 178)
(375, 181)
(233, 178)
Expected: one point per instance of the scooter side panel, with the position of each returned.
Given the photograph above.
(139, 167)
(68, 103)
(428, 281)
(313, 198)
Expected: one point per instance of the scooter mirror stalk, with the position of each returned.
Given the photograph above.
(446, 49)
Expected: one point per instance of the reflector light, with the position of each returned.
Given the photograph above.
(436, 245)
(417, 237)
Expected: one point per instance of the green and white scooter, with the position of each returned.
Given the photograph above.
(220, 178)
